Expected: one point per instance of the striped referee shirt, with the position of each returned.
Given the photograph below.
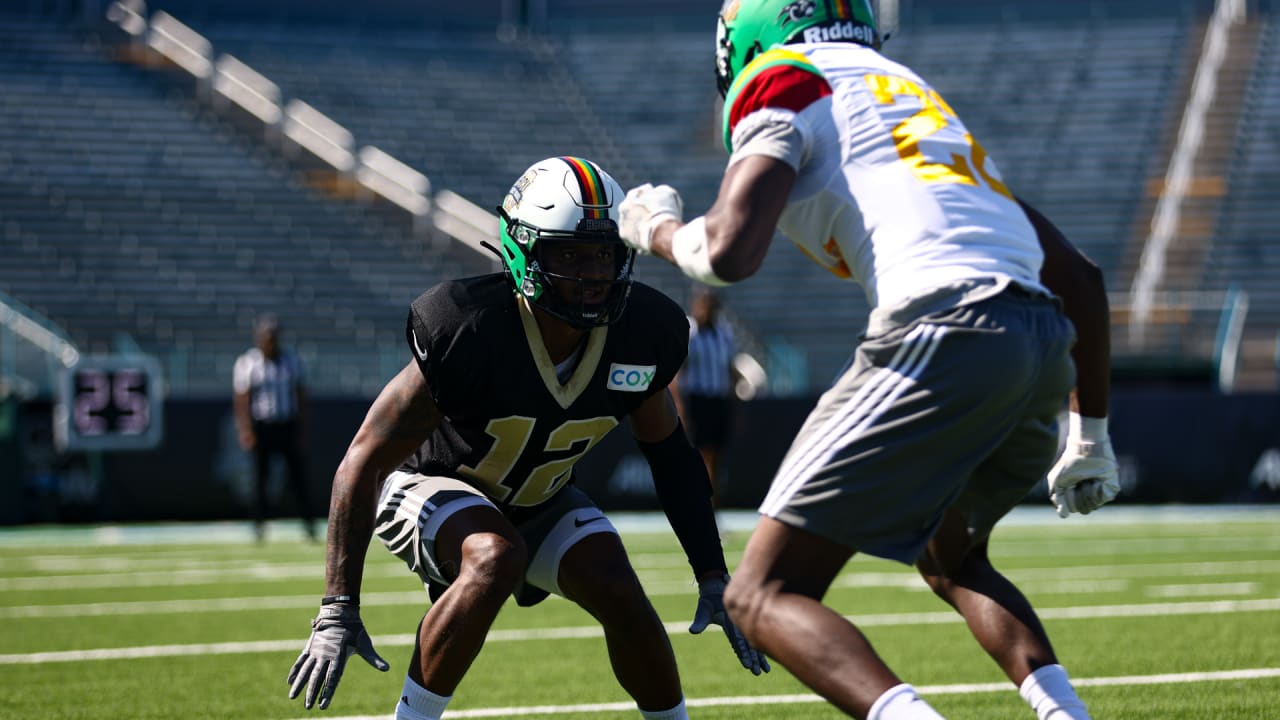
(711, 351)
(272, 385)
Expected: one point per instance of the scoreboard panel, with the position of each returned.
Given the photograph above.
(110, 403)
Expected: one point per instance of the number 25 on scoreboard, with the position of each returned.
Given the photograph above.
(109, 403)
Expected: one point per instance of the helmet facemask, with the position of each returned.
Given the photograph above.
(582, 277)
(560, 242)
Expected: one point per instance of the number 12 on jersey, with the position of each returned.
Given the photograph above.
(511, 437)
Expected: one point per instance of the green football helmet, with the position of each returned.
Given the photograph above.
(747, 28)
(558, 208)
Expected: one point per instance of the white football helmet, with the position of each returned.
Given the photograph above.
(565, 200)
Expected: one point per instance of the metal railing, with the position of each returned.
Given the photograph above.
(1164, 224)
(33, 349)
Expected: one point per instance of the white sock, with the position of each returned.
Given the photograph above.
(901, 702)
(419, 703)
(1049, 693)
(676, 713)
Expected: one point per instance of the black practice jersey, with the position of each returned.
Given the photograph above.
(511, 428)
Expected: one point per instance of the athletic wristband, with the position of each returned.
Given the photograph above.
(690, 251)
(331, 599)
(1089, 429)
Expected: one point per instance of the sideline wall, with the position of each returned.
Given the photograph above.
(1175, 445)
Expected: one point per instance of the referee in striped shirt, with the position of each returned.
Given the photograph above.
(270, 408)
(705, 383)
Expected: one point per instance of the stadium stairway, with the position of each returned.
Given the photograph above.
(1244, 253)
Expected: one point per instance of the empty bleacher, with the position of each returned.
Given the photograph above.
(110, 179)
(126, 209)
(469, 111)
(473, 111)
(1071, 113)
(1244, 252)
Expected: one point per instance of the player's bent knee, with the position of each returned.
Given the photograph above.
(943, 573)
(744, 601)
(493, 562)
(939, 584)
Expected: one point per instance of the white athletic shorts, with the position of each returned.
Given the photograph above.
(412, 508)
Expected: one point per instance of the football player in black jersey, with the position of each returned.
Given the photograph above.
(464, 464)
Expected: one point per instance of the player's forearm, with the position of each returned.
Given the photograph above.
(662, 235)
(400, 419)
(1092, 355)
(692, 519)
(684, 491)
(1070, 275)
(1084, 301)
(351, 518)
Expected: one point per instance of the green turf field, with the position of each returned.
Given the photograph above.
(1158, 615)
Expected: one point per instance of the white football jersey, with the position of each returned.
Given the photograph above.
(891, 191)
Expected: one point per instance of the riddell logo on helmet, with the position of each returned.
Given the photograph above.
(840, 31)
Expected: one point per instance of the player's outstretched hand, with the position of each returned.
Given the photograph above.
(1086, 476)
(644, 208)
(711, 611)
(336, 633)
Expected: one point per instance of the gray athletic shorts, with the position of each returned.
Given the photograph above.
(950, 400)
(412, 508)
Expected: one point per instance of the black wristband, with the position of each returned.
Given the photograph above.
(331, 599)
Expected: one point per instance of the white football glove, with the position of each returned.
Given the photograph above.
(1086, 476)
(643, 209)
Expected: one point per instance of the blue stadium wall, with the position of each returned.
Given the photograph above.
(1182, 445)
(409, 14)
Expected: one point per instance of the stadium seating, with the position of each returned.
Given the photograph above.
(178, 230)
(128, 209)
(1244, 253)
(1071, 112)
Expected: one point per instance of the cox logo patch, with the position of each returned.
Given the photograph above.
(630, 378)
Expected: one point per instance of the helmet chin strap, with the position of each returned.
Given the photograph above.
(575, 312)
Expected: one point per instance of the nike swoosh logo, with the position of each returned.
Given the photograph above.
(579, 522)
(422, 354)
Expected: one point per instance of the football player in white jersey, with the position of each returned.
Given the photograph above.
(947, 414)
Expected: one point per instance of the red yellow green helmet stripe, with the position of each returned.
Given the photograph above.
(595, 199)
(843, 9)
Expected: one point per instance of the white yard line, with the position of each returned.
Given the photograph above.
(1188, 518)
(925, 690)
(1218, 607)
(1036, 581)
(1202, 590)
